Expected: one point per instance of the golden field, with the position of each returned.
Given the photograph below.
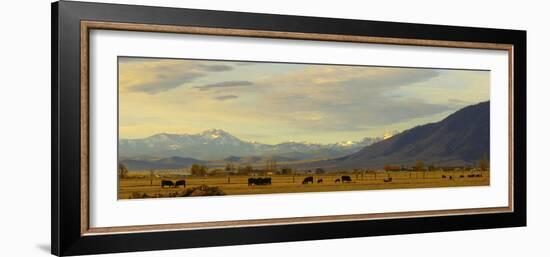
(133, 187)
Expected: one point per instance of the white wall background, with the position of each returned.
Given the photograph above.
(25, 127)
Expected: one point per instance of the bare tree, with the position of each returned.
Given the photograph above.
(151, 175)
(198, 170)
(419, 165)
(229, 167)
(122, 170)
(484, 163)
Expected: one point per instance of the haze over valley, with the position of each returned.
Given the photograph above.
(460, 139)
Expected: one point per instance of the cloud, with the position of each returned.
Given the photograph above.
(153, 76)
(322, 103)
(164, 83)
(245, 63)
(216, 68)
(226, 97)
(135, 59)
(371, 77)
(225, 84)
(359, 116)
(340, 98)
(457, 101)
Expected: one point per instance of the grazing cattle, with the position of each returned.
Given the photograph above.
(461, 176)
(471, 175)
(180, 183)
(337, 180)
(307, 180)
(320, 181)
(479, 175)
(168, 183)
(451, 177)
(346, 179)
(266, 181)
(259, 181)
(251, 181)
(443, 176)
(388, 180)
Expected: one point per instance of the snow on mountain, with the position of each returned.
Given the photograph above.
(460, 139)
(215, 144)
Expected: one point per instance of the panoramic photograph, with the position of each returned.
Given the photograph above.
(189, 127)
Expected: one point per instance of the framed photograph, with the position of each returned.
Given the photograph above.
(179, 128)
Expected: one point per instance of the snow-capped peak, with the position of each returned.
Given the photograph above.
(389, 134)
(214, 133)
(346, 143)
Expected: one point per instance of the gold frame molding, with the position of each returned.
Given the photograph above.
(87, 26)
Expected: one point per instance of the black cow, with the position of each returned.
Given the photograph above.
(180, 182)
(443, 176)
(388, 180)
(168, 183)
(308, 180)
(461, 176)
(259, 181)
(266, 181)
(251, 181)
(451, 177)
(320, 181)
(337, 180)
(346, 179)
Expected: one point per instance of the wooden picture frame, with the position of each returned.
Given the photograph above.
(71, 25)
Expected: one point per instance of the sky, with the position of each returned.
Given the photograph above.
(281, 102)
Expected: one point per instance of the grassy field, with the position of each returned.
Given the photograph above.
(142, 187)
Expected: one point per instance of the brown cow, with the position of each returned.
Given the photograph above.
(180, 182)
(308, 180)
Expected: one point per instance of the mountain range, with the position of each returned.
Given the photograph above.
(173, 162)
(460, 139)
(217, 144)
